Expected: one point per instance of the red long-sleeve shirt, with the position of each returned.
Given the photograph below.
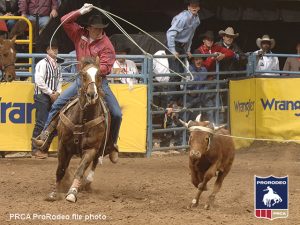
(210, 62)
(101, 47)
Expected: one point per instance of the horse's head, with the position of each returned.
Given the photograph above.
(90, 79)
(8, 59)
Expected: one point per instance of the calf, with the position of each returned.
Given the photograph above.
(211, 154)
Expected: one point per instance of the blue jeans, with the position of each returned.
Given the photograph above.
(43, 105)
(43, 20)
(175, 65)
(112, 103)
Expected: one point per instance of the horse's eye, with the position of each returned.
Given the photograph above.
(5, 54)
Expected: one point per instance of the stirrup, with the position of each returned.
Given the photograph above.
(41, 141)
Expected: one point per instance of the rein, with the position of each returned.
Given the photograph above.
(79, 130)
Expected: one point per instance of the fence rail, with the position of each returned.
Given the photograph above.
(160, 90)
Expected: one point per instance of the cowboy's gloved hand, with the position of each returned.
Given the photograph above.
(86, 8)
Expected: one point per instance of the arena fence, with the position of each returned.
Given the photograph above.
(28, 41)
(156, 130)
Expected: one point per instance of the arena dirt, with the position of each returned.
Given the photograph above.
(149, 191)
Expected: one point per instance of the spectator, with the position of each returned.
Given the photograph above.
(44, 9)
(208, 47)
(9, 8)
(239, 61)
(124, 66)
(48, 81)
(292, 63)
(179, 40)
(199, 72)
(267, 63)
(160, 66)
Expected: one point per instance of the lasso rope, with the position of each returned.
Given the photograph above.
(109, 16)
(258, 139)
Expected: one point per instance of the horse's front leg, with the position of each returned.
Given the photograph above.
(64, 158)
(87, 158)
(90, 177)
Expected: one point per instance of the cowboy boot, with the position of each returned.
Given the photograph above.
(39, 154)
(114, 153)
(43, 141)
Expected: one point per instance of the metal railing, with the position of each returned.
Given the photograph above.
(147, 77)
(28, 41)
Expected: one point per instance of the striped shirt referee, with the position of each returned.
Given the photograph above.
(48, 78)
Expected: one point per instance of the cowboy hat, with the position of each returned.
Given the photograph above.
(192, 1)
(96, 21)
(228, 31)
(265, 38)
(208, 34)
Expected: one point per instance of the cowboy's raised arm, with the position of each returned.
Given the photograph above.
(72, 28)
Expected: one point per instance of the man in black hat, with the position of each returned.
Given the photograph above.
(179, 38)
(48, 80)
(89, 42)
(200, 73)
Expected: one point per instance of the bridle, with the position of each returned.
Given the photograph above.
(3, 68)
(204, 129)
(85, 93)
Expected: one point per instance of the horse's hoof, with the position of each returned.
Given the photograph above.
(194, 204)
(88, 186)
(51, 197)
(207, 206)
(71, 198)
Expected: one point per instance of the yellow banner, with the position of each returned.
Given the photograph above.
(265, 108)
(242, 110)
(17, 117)
(278, 108)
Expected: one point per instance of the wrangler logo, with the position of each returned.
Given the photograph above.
(281, 105)
(244, 106)
(16, 112)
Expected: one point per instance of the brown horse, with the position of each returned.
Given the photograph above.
(7, 59)
(82, 129)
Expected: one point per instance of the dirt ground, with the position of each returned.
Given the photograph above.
(152, 190)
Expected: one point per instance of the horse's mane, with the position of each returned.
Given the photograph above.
(88, 60)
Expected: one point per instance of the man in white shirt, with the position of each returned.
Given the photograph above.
(267, 63)
(161, 66)
(48, 83)
(124, 66)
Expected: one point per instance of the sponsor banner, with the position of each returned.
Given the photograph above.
(265, 108)
(278, 108)
(17, 117)
(271, 197)
(242, 110)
